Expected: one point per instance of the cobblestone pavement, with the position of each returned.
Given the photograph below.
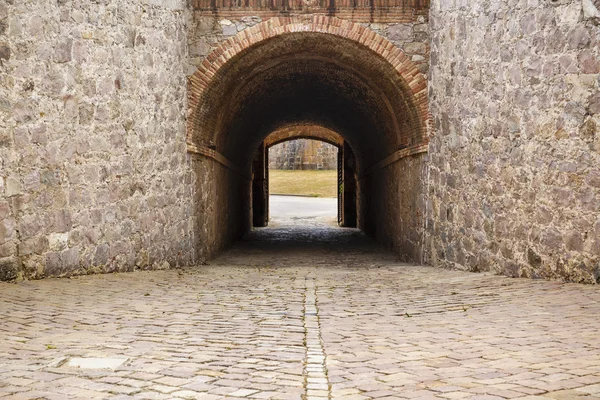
(300, 314)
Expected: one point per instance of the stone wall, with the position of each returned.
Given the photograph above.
(391, 204)
(515, 159)
(303, 154)
(207, 32)
(220, 218)
(94, 174)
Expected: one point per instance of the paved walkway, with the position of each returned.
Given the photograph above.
(301, 211)
(304, 313)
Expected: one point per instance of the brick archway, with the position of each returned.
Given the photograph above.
(304, 132)
(319, 71)
(415, 83)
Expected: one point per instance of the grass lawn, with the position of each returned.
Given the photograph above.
(307, 183)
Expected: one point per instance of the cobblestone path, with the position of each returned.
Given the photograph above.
(285, 316)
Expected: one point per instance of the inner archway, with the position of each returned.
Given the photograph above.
(312, 166)
(325, 72)
(303, 183)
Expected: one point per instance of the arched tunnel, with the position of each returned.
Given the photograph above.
(346, 172)
(339, 82)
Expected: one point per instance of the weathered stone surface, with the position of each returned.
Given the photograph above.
(9, 269)
(4, 54)
(400, 32)
(94, 174)
(545, 111)
(591, 10)
(303, 154)
(37, 245)
(62, 51)
(79, 73)
(594, 103)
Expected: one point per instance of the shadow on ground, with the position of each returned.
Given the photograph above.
(317, 246)
(304, 231)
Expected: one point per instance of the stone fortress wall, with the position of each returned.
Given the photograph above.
(206, 32)
(95, 176)
(303, 154)
(515, 157)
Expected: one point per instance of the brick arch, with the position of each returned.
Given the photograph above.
(202, 79)
(304, 132)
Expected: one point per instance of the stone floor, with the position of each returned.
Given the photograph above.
(300, 313)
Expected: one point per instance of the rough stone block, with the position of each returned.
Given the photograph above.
(593, 178)
(38, 134)
(229, 30)
(9, 269)
(58, 241)
(101, 254)
(31, 181)
(3, 232)
(8, 249)
(400, 32)
(5, 54)
(70, 259)
(37, 245)
(63, 51)
(52, 264)
(4, 209)
(62, 221)
(593, 102)
(415, 48)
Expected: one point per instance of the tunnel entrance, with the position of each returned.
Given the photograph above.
(323, 72)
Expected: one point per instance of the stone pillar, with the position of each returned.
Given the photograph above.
(260, 187)
(347, 193)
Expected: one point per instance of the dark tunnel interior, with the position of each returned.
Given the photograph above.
(310, 78)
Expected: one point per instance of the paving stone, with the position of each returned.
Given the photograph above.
(96, 363)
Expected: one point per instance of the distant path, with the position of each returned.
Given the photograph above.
(297, 210)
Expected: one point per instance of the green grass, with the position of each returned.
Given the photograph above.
(303, 183)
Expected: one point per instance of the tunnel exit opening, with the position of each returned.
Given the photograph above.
(326, 73)
(310, 161)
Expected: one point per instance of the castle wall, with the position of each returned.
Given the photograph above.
(94, 174)
(303, 154)
(219, 217)
(391, 206)
(208, 30)
(515, 158)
